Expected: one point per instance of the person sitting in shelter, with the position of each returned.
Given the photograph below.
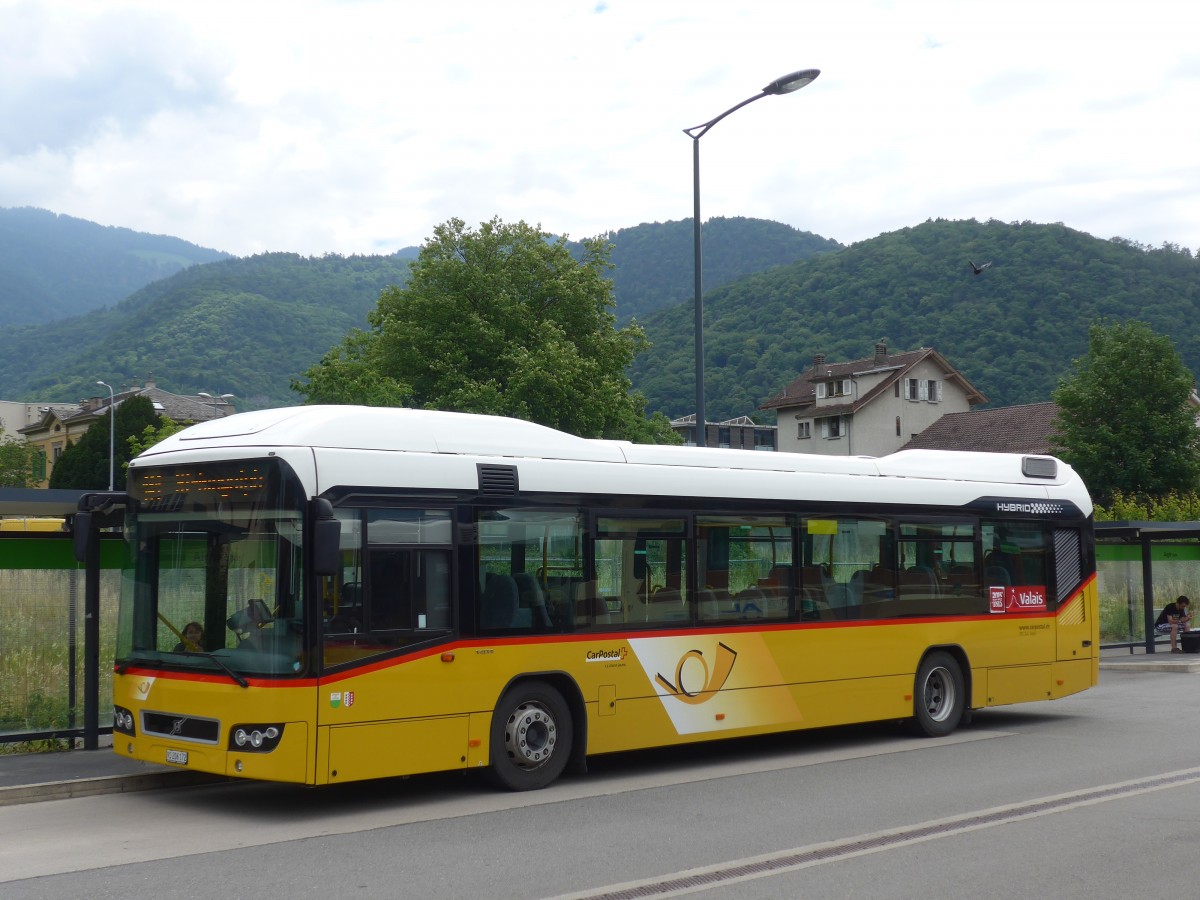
(192, 638)
(1174, 620)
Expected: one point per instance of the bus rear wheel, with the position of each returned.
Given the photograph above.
(531, 737)
(939, 695)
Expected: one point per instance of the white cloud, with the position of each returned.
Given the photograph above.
(358, 126)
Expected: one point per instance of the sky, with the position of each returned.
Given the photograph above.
(339, 126)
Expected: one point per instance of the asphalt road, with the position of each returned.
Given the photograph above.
(1093, 796)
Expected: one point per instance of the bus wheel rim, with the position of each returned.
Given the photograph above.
(939, 695)
(530, 735)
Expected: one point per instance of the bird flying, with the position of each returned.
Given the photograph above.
(977, 269)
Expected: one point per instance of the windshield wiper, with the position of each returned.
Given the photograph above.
(228, 671)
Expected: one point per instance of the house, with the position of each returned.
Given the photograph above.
(59, 424)
(741, 433)
(871, 406)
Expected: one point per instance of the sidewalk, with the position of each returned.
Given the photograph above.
(1119, 659)
(32, 777)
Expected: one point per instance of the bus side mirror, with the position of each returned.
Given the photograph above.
(81, 529)
(327, 539)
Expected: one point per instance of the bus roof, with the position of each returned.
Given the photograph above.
(436, 432)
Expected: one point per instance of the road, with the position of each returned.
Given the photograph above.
(1093, 796)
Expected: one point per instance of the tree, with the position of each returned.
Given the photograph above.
(503, 321)
(151, 435)
(84, 465)
(16, 462)
(1124, 420)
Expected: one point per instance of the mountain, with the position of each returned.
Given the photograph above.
(53, 266)
(248, 326)
(240, 326)
(654, 264)
(1012, 330)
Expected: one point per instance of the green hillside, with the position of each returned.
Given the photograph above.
(654, 264)
(241, 326)
(1012, 330)
(248, 326)
(53, 266)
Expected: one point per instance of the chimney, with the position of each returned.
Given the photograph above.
(818, 360)
(880, 353)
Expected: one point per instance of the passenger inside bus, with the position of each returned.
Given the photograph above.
(191, 639)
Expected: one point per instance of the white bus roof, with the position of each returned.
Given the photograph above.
(349, 428)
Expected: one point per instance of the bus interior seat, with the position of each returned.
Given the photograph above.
(855, 587)
(918, 580)
(709, 604)
(812, 609)
(997, 575)
(531, 598)
(499, 602)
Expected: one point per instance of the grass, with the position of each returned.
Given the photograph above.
(35, 648)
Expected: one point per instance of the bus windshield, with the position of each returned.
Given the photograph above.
(215, 582)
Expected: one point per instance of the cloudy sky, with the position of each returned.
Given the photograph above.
(355, 127)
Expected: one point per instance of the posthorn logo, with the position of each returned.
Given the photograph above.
(687, 688)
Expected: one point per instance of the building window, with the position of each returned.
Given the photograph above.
(832, 427)
(923, 389)
(764, 439)
(803, 431)
(897, 426)
(838, 387)
(723, 437)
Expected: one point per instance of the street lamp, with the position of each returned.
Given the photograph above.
(784, 85)
(112, 422)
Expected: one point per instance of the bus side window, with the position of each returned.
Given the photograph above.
(527, 567)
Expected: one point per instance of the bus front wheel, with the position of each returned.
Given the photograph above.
(939, 695)
(531, 737)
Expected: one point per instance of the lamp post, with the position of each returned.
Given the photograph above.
(112, 422)
(784, 85)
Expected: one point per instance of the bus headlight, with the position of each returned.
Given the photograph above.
(123, 721)
(255, 738)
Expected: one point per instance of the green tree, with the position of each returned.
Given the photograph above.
(504, 321)
(16, 462)
(151, 435)
(1124, 420)
(84, 465)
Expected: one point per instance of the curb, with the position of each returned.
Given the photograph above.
(1185, 667)
(105, 784)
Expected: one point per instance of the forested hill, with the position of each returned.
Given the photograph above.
(1012, 330)
(54, 266)
(654, 264)
(241, 326)
(248, 326)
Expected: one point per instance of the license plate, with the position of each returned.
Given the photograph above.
(179, 757)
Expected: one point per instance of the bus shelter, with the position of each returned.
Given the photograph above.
(1140, 567)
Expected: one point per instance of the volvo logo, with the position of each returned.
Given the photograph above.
(177, 726)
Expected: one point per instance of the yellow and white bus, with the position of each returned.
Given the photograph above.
(332, 593)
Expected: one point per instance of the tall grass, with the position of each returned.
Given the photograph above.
(35, 648)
